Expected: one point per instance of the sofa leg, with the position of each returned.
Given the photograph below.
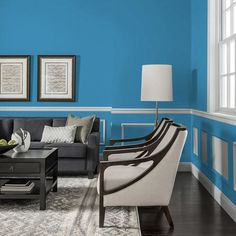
(96, 170)
(101, 216)
(168, 216)
(90, 175)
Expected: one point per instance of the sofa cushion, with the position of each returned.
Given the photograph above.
(33, 125)
(59, 122)
(6, 129)
(84, 125)
(77, 150)
(96, 125)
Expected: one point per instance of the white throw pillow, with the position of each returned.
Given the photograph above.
(58, 134)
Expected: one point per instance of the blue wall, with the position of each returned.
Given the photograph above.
(82, 28)
(111, 40)
(199, 54)
(148, 31)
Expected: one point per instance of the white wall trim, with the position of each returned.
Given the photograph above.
(219, 196)
(228, 119)
(101, 109)
(54, 108)
(149, 111)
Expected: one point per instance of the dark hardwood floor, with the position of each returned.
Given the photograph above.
(193, 210)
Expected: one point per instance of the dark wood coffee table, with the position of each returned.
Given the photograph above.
(38, 165)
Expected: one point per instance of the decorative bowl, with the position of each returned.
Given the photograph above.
(5, 148)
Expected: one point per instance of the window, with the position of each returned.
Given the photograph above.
(227, 85)
(222, 53)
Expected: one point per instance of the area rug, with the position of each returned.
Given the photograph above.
(72, 211)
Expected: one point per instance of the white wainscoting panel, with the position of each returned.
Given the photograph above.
(220, 156)
(204, 146)
(234, 165)
(124, 125)
(195, 141)
(103, 122)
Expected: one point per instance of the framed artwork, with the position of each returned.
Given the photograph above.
(56, 78)
(14, 78)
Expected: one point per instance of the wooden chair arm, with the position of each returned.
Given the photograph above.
(125, 146)
(107, 153)
(113, 141)
(106, 164)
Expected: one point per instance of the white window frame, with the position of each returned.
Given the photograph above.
(214, 37)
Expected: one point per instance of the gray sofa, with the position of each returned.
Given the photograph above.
(73, 158)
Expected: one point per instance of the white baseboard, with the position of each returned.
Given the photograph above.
(185, 167)
(220, 198)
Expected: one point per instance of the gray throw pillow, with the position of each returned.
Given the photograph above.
(84, 127)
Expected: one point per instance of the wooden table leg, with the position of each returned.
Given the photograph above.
(55, 173)
(42, 191)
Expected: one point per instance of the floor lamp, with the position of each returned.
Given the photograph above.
(156, 84)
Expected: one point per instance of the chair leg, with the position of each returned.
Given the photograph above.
(101, 215)
(168, 216)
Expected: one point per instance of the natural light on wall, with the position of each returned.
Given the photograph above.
(227, 85)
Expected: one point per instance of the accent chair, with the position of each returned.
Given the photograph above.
(146, 181)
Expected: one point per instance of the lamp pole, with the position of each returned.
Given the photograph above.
(156, 116)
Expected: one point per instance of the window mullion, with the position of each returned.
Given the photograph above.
(235, 69)
(221, 21)
(228, 76)
(231, 18)
(235, 56)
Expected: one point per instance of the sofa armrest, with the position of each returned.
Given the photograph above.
(93, 151)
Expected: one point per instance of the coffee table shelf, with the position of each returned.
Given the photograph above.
(35, 194)
(38, 165)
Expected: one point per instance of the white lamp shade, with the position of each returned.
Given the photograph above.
(156, 83)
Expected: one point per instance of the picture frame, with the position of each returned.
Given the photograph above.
(56, 78)
(15, 77)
